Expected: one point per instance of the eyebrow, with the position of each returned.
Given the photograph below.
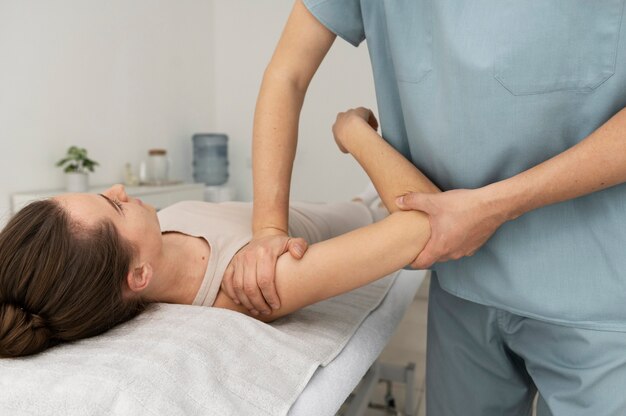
(112, 204)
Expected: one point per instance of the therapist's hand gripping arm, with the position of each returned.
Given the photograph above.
(249, 279)
(463, 220)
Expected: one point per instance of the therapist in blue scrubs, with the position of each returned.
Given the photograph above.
(516, 109)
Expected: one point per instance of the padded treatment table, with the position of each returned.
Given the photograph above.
(331, 385)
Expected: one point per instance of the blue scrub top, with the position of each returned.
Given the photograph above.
(474, 92)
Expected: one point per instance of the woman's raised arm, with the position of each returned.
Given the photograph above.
(390, 172)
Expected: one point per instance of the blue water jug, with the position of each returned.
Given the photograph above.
(210, 158)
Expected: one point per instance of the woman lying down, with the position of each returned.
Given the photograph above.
(76, 265)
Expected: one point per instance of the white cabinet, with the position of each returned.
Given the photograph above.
(158, 196)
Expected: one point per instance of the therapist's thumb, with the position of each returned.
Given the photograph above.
(297, 247)
(412, 201)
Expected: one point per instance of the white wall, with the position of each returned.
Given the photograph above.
(119, 77)
(246, 32)
(115, 76)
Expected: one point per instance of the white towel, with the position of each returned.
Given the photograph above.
(187, 360)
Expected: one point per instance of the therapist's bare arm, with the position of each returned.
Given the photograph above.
(343, 263)
(597, 162)
(301, 49)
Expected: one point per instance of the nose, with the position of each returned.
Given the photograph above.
(118, 191)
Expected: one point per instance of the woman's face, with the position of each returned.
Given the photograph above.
(135, 221)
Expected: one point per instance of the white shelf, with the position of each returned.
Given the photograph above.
(158, 196)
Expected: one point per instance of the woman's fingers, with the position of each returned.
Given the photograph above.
(341, 127)
(367, 115)
(372, 121)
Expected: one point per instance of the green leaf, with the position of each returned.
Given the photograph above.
(62, 161)
(77, 156)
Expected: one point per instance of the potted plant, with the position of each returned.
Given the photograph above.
(76, 165)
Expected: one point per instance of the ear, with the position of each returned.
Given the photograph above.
(139, 277)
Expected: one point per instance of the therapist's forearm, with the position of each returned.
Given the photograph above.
(597, 162)
(300, 50)
(273, 151)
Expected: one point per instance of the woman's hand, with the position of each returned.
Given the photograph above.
(461, 222)
(249, 278)
(344, 125)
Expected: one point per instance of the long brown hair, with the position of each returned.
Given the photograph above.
(59, 280)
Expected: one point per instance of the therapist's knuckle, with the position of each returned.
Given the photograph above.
(249, 289)
(265, 281)
(250, 258)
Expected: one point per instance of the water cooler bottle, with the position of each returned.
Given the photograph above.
(210, 166)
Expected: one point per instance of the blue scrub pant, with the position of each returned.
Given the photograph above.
(483, 361)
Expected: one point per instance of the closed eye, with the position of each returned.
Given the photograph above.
(119, 204)
(116, 205)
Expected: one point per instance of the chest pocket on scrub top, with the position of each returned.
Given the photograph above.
(409, 32)
(557, 45)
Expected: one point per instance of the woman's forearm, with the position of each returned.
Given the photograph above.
(391, 173)
(343, 263)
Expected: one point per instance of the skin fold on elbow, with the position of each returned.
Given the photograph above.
(285, 77)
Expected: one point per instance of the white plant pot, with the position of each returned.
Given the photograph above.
(76, 182)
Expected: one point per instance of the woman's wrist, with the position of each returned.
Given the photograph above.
(353, 132)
